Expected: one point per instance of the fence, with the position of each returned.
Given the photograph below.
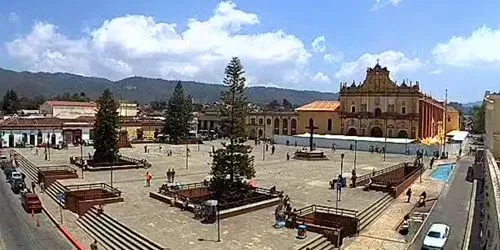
(327, 210)
(57, 168)
(364, 145)
(364, 178)
(102, 186)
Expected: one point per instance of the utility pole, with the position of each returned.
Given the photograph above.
(445, 119)
(264, 144)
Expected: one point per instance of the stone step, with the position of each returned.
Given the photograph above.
(370, 216)
(140, 240)
(319, 243)
(325, 245)
(312, 241)
(106, 229)
(84, 224)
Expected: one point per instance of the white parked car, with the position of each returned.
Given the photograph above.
(436, 237)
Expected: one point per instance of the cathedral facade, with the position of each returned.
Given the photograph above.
(379, 107)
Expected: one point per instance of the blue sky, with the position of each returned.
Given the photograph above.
(294, 44)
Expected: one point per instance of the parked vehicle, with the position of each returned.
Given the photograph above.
(30, 202)
(17, 186)
(436, 237)
(15, 175)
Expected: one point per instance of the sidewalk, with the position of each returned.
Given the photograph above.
(68, 217)
(382, 233)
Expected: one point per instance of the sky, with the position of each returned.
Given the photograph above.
(313, 45)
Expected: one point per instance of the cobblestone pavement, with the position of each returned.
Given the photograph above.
(305, 181)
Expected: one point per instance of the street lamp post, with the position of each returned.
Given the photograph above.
(355, 152)
(341, 163)
(112, 165)
(81, 157)
(187, 155)
(218, 223)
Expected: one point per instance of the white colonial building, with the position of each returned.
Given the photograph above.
(68, 110)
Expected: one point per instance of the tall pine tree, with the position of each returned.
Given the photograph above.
(106, 128)
(234, 159)
(179, 115)
(10, 102)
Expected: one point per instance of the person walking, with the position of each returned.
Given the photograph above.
(408, 193)
(287, 156)
(33, 186)
(431, 162)
(148, 179)
(169, 175)
(267, 147)
(273, 148)
(173, 174)
(93, 245)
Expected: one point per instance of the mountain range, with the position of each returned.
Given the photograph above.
(140, 89)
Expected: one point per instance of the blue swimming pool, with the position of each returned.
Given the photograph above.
(443, 172)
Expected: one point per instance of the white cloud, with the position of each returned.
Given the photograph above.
(14, 17)
(333, 57)
(435, 72)
(321, 77)
(381, 3)
(479, 48)
(395, 61)
(139, 45)
(318, 44)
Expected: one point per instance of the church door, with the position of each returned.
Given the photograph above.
(376, 132)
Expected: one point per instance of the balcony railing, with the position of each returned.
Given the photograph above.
(371, 115)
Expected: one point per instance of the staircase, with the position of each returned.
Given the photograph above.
(54, 190)
(31, 171)
(112, 234)
(371, 213)
(318, 243)
(26, 166)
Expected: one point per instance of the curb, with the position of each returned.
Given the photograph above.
(468, 228)
(64, 231)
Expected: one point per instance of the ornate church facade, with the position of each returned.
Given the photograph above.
(379, 107)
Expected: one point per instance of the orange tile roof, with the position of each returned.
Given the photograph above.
(74, 104)
(331, 106)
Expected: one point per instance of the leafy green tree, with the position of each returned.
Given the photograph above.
(478, 119)
(10, 102)
(234, 159)
(106, 128)
(179, 115)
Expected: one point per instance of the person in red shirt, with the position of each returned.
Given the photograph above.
(148, 179)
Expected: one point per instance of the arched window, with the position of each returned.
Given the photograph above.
(293, 127)
(276, 126)
(378, 112)
(261, 121)
(285, 126)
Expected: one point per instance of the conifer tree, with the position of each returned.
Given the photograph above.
(233, 161)
(10, 102)
(106, 128)
(179, 115)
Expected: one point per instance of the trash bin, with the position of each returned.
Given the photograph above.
(302, 232)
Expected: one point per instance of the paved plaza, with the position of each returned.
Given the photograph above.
(305, 181)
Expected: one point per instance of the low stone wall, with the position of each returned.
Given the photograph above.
(223, 213)
(403, 186)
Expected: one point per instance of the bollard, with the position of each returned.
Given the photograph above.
(37, 222)
(32, 213)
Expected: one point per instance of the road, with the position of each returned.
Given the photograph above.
(451, 207)
(18, 229)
